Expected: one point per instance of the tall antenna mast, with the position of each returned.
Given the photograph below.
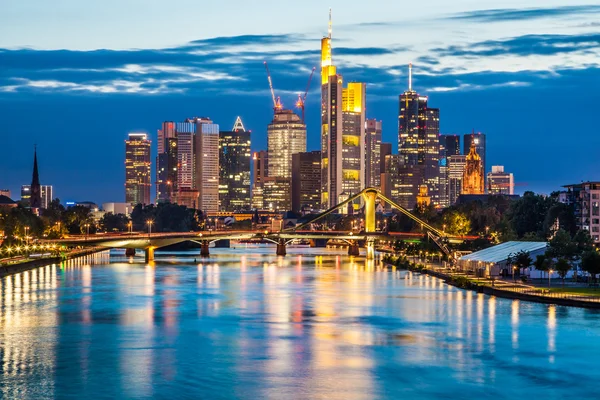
(410, 77)
(330, 24)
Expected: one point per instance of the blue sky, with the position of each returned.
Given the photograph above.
(76, 77)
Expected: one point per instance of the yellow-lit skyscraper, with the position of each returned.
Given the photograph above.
(342, 131)
(137, 169)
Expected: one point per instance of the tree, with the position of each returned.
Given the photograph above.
(528, 214)
(522, 260)
(542, 264)
(562, 268)
(456, 223)
(561, 246)
(114, 222)
(590, 263)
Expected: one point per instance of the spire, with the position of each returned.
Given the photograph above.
(330, 24)
(35, 200)
(238, 126)
(35, 180)
(410, 77)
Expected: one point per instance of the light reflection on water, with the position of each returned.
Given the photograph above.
(247, 324)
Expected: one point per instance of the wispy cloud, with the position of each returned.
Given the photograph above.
(513, 14)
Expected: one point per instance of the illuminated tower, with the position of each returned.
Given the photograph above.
(286, 135)
(373, 153)
(137, 169)
(473, 175)
(234, 166)
(342, 131)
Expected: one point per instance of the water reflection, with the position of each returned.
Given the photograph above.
(250, 324)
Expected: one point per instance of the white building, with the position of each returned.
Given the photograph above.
(206, 179)
(500, 182)
(286, 135)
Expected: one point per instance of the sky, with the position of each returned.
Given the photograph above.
(76, 77)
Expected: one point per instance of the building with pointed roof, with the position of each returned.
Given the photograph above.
(473, 180)
(35, 199)
(234, 168)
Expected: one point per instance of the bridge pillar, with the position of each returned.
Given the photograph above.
(204, 252)
(369, 196)
(129, 252)
(370, 249)
(353, 249)
(281, 251)
(149, 254)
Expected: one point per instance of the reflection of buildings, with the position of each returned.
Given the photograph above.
(137, 169)
(306, 181)
(234, 160)
(500, 182)
(473, 175)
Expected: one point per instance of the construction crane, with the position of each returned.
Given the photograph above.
(276, 100)
(302, 99)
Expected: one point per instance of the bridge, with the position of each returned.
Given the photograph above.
(152, 241)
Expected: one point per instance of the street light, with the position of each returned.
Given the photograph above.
(26, 235)
(149, 222)
(549, 275)
(130, 227)
(87, 231)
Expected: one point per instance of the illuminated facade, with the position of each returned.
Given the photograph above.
(260, 168)
(277, 194)
(473, 175)
(166, 163)
(306, 181)
(342, 131)
(206, 152)
(373, 153)
(47, 195)
(585, 199)
(234, 176)
(286, 135)
(418, 144)
(500, 182)
(456, 171)
(137, 169)
(478, 139)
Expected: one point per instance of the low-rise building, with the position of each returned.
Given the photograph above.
(585, 198)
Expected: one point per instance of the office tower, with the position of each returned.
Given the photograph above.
(456, 171)
(286, 135)
(306, 181)
(500, 182)
(480, 146)
(342, 131)
(373, 153)
(418, 143)
(473, 176)
(443, 179)
(47, 195)
(26, 195)
(206, 156)
(234, 175)
(277, 193)
(385, 150)
(166, 163)
(137, 169)
(260, 168)
(186, 170)
(451, 145)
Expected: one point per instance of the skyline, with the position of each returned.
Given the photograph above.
(84, 100)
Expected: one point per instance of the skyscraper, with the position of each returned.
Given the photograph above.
(373, 153)
(260, 168)
(234, 160)
(166, 163)
(418, 144)
(137, 169)
(342, 131)
(206, 160)
(286, 135)
(35, 200)
(480, 146)
(451, 145)
(306, 181)
(47, 195)
(385, 150)
(456, 171)
(473, 176)
(500, 182)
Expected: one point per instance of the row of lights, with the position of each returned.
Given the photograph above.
(18, 249)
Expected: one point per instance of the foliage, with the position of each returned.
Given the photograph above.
(529, 213)
(165, 217)
(522, 260)
(590, 263)
(562, 246)
(114, 222)
(456, 223)
(562, 268)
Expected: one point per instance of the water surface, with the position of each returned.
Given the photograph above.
(313, 325)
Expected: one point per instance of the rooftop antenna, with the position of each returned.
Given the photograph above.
(410, 77)
(330, 24)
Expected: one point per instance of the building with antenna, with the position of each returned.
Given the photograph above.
(234, 168)
(343, 113)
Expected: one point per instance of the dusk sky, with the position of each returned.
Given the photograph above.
(77, 76)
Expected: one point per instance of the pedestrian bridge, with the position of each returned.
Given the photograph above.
(152, 241)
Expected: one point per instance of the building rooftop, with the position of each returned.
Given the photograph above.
(582, 184)
(5, 200)
(501, 252)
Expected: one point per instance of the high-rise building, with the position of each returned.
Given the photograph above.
(167, 163)
(500, 182)
(473, 176)
(26, 195)
(342, 131)
(385, 150)
(418, 143)
(451, 145)
(47, 195)
(306, 181)
(186, 160)
(585, 198)
(456, 171)
(137, 169)
(286, 135)
(260, 168)
(206, 152)
(276, 193)
(373, 153)
(480, 146)
(234, 160)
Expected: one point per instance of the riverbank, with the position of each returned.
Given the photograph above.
(498, 288)
(15, 268)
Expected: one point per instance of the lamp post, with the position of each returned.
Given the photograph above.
(149, 222)
(130, 227)
(87, 231)
(549, 275)
(26, 235)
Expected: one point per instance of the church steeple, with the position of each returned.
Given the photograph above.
(36, 190)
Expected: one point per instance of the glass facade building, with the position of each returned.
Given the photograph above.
(137, 169)
(234, 176)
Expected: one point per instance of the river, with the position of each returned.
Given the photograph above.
(316, 324)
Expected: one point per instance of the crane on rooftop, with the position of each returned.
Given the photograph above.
(276, 100)
(302, 99)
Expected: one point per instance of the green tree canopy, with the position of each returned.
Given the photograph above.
(590, 263)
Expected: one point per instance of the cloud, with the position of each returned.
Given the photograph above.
(513, 14)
